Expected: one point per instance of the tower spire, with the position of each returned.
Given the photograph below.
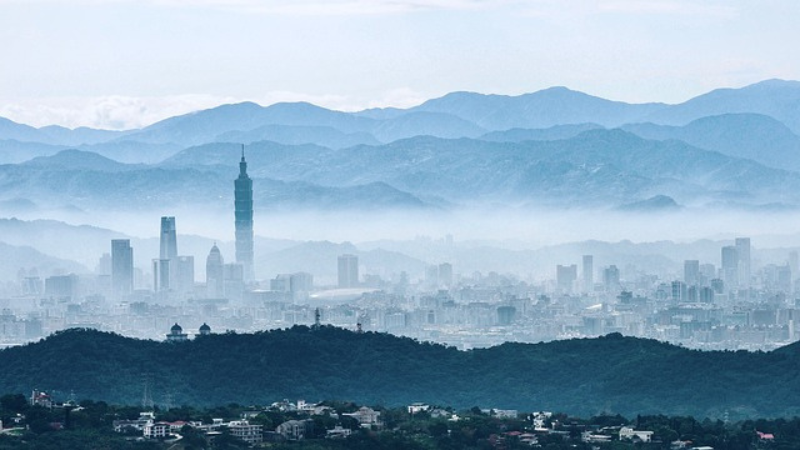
(242, 165)
(243, 200)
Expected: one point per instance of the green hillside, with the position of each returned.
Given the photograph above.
(612, 374)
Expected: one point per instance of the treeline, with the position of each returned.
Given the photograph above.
(611, 374)
(89, 425)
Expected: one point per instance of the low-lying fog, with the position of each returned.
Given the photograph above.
(515, 228)
(525, 243)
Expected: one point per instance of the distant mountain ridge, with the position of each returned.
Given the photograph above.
(543, 109)
(458, 114)
(598, 168)
(17, 257)
(728, 148)
(779, 99)
(752, 136)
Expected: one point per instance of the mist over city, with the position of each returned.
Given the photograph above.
(553, 206)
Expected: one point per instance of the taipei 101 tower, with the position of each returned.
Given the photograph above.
(243, 195)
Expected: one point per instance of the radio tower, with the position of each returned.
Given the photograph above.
(147, 396)
(317, 316)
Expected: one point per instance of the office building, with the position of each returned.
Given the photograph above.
(61, 286)
(348, 271)
(588, 273)
(215, 279)
(565, 278)
(730, 267)
(743, 251)
(445, 275)
(169, 240)
(121, 267)
(233, 281)
(161, 275)
(691, 272)
(183, 278)
(611, 278)
(163, 266)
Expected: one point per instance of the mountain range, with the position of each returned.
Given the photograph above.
(597, 168)
(555, 147)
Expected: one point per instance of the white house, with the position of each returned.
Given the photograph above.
(629, 434)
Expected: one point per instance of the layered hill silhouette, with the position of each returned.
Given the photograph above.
(611, 374)
(594, 168)
(598, 168)
(458, 114)
(554, 147)
(751, 136)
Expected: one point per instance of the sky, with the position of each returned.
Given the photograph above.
(121, 64)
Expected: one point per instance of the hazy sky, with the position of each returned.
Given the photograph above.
(128, 63)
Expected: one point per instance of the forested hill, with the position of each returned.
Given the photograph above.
(612, 374)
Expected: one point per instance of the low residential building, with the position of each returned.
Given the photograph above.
(629, 434)
(505, 413)
(338, 432)
(765, 436)
(415, 408)
(366, 416)
(123, 426)
(41, 398)
(156, 430)
(295, 430)
(244, 430)
(592, 438)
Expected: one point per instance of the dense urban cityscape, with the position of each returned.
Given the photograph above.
(399, 225)
(727, 305)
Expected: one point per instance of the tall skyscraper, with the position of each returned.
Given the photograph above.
(348, 271)
(243, 196)
(215, 274)
(691, 272)
(743, 250)
(611, 278)
(164, 266)
(445, 275)
(121, 267)
(183, 269)
(588, 273)
(233, 276)
(730, 267)
(161, 277)
(565, 278)
(169, 240)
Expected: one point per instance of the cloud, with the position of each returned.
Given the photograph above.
(304, 7)
(115, 112)
(669, 7)
(119, 112)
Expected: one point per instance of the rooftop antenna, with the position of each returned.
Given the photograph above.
(242, 152)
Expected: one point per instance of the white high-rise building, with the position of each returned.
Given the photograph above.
(348, 271)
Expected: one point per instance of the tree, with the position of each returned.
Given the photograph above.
(13, 403)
